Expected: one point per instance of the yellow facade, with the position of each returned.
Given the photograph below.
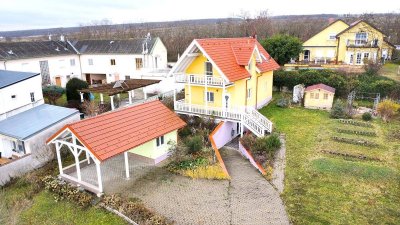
(341, 43)
(150, 149)
(318, 99)
(260, 86)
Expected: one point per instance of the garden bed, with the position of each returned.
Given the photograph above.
(354, 141)
(356, 123)
(358, 132)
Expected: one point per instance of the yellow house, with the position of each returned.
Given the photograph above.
(319, 96)
(352, 44)
(228, 78)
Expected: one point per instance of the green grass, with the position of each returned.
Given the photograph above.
(23, 202)
(390, 70)
(44, 210)
(328, 189)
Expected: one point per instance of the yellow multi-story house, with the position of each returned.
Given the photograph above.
(228, 78)
(352, 44)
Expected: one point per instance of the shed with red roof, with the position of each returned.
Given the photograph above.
(319, 96)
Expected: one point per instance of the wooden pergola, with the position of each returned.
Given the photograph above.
(118, 87)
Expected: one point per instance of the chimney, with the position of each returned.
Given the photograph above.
(50, 37)
(62, 38)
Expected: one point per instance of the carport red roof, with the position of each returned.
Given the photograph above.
(115, 132)
(231, 55)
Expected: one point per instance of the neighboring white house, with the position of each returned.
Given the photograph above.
(96, 61)
(25, 121)
(56, 61)
(105, 61)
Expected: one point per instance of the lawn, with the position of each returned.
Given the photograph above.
(324, 188)
(391, 70)
(23, 202)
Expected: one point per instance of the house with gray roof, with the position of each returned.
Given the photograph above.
(96, 61)
(25, 121)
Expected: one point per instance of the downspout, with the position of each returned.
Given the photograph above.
(337, 51)
(256, 90)
(245, 96)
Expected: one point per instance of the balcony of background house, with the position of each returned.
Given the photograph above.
(200, 79)
(362, 43)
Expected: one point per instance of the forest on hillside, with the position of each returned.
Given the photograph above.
(176, 35)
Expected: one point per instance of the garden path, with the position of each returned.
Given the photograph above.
(252, 199)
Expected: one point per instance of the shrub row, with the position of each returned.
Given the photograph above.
(354, 141)
(359, 132)
(187, 164)
(359, 156)
(262, 149)
(134, 209)
(63, 190)
(355, 123)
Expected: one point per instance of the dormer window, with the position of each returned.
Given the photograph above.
(209, 68)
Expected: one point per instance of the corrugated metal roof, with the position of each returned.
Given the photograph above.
(34, 49)
(8, 77)
(130, 46)
(32, 121)
(113, 133)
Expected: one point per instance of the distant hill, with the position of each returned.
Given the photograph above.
(151, 25)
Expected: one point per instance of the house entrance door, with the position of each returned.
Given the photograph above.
(58, 81)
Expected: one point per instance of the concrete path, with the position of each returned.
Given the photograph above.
(252, 199)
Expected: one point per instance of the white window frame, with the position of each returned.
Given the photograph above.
(90, 62)
(358, 59)
(207, 72)
(362, 38)
(113, 62)
(72, 62)
(366, 54)
(160, 141)
(326, 96)
(210, 96)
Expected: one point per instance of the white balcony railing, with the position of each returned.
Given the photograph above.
(250, 117)
(199, 79)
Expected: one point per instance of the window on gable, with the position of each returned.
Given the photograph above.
(160, 141)
(209, 68)
(249, 93)
(361, 38)
(332, 36)
(90, 62)
(112, 62)
(72, 62)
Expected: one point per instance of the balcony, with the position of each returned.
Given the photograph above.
(200, 79)
(249, 117)
(362, 44)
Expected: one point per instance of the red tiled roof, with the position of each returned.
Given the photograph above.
(232, 54)
(320, 86)
(115, 132)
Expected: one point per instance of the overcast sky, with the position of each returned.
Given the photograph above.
(31, 14)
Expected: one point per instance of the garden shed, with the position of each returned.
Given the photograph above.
(319, 96)
(140, 131)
